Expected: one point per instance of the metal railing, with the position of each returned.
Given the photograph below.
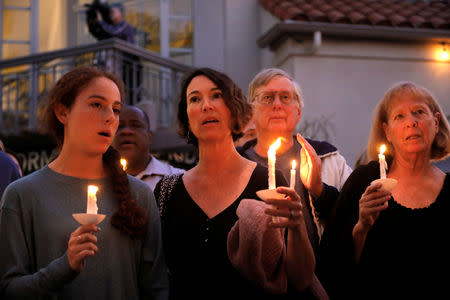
(25, 81)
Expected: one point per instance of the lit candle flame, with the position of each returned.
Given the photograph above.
(92, 189)
(444, 54)
(382, 161)
(292, 183)
(271, 156)
(92, 200)
(123, 162)
(273, 148)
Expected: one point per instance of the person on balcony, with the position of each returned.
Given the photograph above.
(45, 253)
(132, 140)
(119, 27)
(129, 64)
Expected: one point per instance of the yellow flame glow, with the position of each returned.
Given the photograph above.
(382, 148)
(275, 145)
(294, 164)
(123, 162)
(92, 189)
(444, 54)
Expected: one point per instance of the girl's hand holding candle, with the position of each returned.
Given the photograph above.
(82, 244)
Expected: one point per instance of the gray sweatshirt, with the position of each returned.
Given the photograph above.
(35, 225)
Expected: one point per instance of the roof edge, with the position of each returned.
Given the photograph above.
(368, 32)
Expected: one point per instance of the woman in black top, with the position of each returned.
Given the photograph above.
(394, 243)
(201, 209)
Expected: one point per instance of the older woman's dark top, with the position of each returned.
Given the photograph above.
(406, 254)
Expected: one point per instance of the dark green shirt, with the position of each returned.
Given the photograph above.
(35, 225)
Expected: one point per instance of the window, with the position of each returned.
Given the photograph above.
(31, 26)
(163, 26)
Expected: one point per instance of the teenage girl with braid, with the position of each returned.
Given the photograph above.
(44, 252)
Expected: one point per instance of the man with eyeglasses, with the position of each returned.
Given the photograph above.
(277, 107)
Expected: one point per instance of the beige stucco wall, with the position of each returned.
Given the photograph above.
(344, 80)
(225, 33)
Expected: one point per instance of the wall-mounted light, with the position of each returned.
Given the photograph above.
(443, 54)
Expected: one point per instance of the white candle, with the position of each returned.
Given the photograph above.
(292, 183)
(92, 200)
(123, 162)
(271, 156)
(382, 161)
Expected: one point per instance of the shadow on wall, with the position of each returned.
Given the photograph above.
(320, 128)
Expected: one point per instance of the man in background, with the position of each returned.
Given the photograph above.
(132, 140)
(13, 157)
(8, 171)
(277, 108)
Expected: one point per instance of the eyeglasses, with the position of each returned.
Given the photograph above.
(267, 98)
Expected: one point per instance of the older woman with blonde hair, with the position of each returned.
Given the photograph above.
(393, 242)
(441, 144)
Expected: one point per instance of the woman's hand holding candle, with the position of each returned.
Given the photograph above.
(289, 208)
(82, 243)
(372, 202)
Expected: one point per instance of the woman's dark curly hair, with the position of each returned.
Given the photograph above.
(129, 218)
(241, 111)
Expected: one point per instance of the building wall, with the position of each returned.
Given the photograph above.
(225, 33)
(267, 21)
(242, 55)
(209, 31)
(344, 80)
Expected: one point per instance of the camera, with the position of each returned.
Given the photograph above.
(91, 18)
